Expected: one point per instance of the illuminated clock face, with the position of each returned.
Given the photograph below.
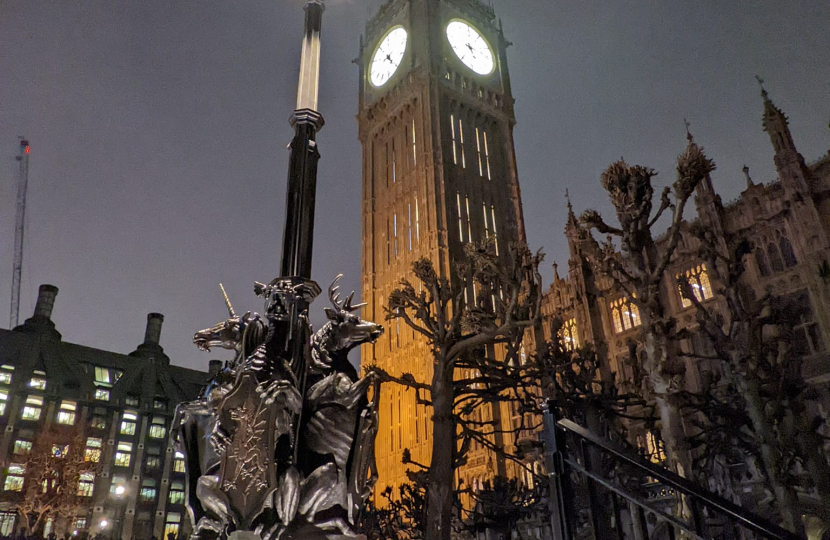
(470, 47)
(388, 56)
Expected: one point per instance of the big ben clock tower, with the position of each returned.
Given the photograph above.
(439, 170)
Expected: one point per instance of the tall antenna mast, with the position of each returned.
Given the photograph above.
(17, 271)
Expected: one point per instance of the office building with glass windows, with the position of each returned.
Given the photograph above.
(95, 422)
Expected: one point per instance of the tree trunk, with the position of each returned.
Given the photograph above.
(815, 462)
(671, 419)
(440, 480)
(787, 498)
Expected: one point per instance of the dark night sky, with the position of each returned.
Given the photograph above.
(158, 131)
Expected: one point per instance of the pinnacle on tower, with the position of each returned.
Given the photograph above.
(776, 123)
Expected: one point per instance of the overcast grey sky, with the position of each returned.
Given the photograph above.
(158, 132)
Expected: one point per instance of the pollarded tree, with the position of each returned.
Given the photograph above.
(57, 480)
(754, 340)
(465, 372)
(638, 269)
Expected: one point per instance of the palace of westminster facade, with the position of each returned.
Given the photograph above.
(436, 123)
(439, 170)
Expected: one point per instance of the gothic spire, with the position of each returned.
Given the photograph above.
(749, 182)
(572, 221)
(775, 123)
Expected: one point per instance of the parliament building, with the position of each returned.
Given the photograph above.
(439, 170)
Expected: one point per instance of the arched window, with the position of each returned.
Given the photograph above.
(698, 279)
(761, 261)
(625, 315)
(775, 258)
(568, 335)
(787, 252)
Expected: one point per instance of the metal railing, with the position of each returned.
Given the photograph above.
(602, 491)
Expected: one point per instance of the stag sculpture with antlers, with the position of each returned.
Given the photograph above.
(330, 346)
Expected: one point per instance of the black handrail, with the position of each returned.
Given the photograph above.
(559, 462)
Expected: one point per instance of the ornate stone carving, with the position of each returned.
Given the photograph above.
(280, 449)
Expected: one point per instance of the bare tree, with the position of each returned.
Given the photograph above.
(754, 340)
(52, 480)
(466, 373)
(639, 268)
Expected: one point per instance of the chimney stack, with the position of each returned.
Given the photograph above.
(45, 301)
(214, 367)
(153, 332)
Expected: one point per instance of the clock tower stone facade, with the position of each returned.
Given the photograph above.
(439, 171)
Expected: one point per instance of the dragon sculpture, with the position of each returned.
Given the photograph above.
(286, 453)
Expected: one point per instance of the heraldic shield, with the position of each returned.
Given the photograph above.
(247, 472)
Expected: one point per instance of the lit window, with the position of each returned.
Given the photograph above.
(460, 217)
(14, 477)
(171, 524)
(469, 224)
(395, 231)
(123, 454)
(625, 315)
(486, 154)
(414, 146)
(98, 422)
(93, 450)
(60, 450)
(160, 404)
(461, 143)
(569, 335)
(176, 493)
(478, 153)
(158, 429)
(131, 400)
(454, 143)
(32, 408)
(493, 224)
(66, 413)
(22, 447)
(148, 490)
(79, 524)
(38, 380)
(86, 484)
(102, 394)
(654, 448)
(4, 398)
(128, 423)
(698, 278)
(6, 374)
(106, 376)
(178, 463)
(394, 163)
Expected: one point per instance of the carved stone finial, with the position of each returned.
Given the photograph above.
(749, 182)
(556, 272)
(688, 133)
(761, 84)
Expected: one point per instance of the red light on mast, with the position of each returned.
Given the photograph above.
(27, 149)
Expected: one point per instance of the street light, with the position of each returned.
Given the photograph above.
(119, 490)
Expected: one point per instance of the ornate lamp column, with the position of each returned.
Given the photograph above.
(298, 237)
(281, 446)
